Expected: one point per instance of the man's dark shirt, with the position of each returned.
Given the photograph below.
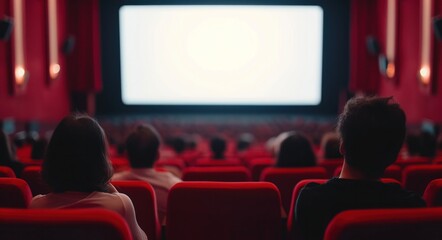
(318, 204)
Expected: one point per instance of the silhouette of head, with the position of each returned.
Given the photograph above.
(142, 147)
(76, 157)
(295, 151)
(372, 130)
(218, 147)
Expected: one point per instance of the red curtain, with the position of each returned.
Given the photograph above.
(364, 70)
(84, 63)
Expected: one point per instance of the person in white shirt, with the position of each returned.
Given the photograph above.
(142, 147)
(77, 170)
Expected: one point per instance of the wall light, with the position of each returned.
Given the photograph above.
(427, 40)
(21, 75)
(53, 62)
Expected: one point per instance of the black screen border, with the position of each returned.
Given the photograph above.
(335, 61)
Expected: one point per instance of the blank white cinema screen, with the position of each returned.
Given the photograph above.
(221, 55)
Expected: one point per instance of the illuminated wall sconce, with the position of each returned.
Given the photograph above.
(389, 65)
(20, 75)
(54, 67)
(425, 75)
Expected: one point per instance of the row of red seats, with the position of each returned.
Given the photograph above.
(414, 178)
(218, 210)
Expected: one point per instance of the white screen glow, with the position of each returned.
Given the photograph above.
(221, 55)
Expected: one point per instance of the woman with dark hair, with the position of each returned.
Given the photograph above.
(295, 150)
(77, 169)
(6, 157)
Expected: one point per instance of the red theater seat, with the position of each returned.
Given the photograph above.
(287, 178)
(32, 175)
(217, 163)
(386, 224)
(416, 178)
(404, 162)
(433, 193)
(50, 224)
(142, 195)
(291, 226)
(222, 174)
(14, 193)
(220, 210)
(6, 172)
(256, 166)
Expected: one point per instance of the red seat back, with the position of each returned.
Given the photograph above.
(217, 163)
(142, 195)
(292, 228)
(14, 193)
(43, 224)
(417, 177)
(433, 193)
(386, 224)
(223, 174)
(6, 172)
(287, 178)
(221, 210)
(415, 160)
(32, 175)
(256, 166)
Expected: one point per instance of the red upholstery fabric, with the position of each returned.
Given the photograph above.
(287, 178)
(404, 162)
(14, 193)
(142, 195)
(256, 166)
(433, 193)
(223, 174)
(44, 224)
(416, 178)
(6, 172)
(217, 163)
(392, 171)
(330, 165)
(32, 175)
(386, 224)
(219, 211)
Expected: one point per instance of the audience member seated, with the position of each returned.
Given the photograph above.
(218, 147)
(142, 147)
(330, 146)
(295, 151)
(77, 169)
(428, 144)
(178, 145)
(191, 153)
(39, 148)
(6, 157)
(372, 131)
(412, 143)
(421, 143)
